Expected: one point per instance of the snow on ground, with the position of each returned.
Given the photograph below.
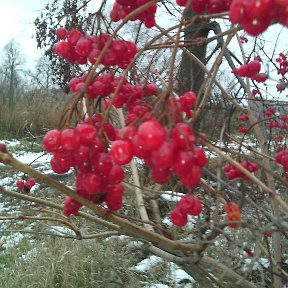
(172, 197)
(146, 264)
(175, 275)
(10, 143)
(60, 230)
(34, 158)
(255, 264)
(12, 240)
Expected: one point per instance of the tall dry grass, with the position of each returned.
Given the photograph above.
(32, 114)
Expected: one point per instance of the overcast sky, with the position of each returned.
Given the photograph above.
(17, 18)
(16, 23)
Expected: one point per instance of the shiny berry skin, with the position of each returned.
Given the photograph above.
(151, 135)
(183, 136)
(87, 133)
(70, 139)
(114, 197)
(178, 218)
(52, 140)
(121, 152)
(71, 207)
(3, 149)
(186, 203)
(61, 33)
(163, 157)
(20, 184)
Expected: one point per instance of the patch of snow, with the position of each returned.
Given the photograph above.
(167, 222)
(147, 264)
(172, 198)
(12, 240)
(7, 181)
(255, 264)
(157, 286)
(134, 244)
(29, 255)
(31, 157)
(177, 275)
(60, 230)
(10, 143)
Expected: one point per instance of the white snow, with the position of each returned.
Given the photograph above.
(31, 157)
(147, 264)
(172, 196)
(60, 230)
(255, 264)
(12, 240)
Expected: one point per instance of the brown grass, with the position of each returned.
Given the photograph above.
(32, 114)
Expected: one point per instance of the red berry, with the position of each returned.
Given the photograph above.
(71, 207)
(52, 140)
(86, 132)
(186, 203)
(70, 139)
(3, 149)
(20, 184)
(114, 197)
(178, 218)
(196, 209)
(163, 157)
(151, 135)
(61, 33)
(183, 136)
(121, 152)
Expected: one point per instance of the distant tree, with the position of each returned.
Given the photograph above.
(12, 64)
(42, 75)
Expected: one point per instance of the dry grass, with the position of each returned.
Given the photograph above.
(56, 263)
(32, 114)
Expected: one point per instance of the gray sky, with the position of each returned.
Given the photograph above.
(16, 22)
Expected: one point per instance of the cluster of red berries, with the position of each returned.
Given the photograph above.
(270, 112)
(186, 206)
(211, 6)
(283, 64)
(98, 177)
(104, 85)
(122, 8)
(251, 70)
(244, 118)
(163, 152)
(76, 47)
(233, 214)
(3, 149)
(25, 186)
(282, 70)
(281, 157)
(256, 16)
(232, 172)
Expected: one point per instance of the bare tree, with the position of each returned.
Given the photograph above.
(12, 61)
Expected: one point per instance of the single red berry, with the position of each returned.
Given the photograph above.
(116, 175)
(52, 140)
(61, 33)
(196, 209)
(71, 207)
(86, 132)
(121, 152)
(114, 197)
(178, 218)
(70, 139)
(186, 203)
(20, 184)
(31, 181)
(151, 135)
(3, 149)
